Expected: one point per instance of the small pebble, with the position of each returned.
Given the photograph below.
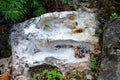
(89, 77)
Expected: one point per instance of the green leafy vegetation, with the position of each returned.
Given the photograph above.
(12, 9)
(8, 51)
(68, 2)
(99, 32)
(85, 72)
(53, 74)
(16, 9)
(94, 65)
(113, 16)
(39, 9)
(36, 77)
(72, 76)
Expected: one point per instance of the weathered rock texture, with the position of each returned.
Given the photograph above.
(5, 65)
(62, 39)
(110, 66)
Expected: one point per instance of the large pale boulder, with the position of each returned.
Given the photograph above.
(62, 39)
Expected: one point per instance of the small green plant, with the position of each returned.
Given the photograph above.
(99, 32)
(85, 72)
(94, 65)
(53, 74)
(68, 2)
(16, 9)
(36, 77)
(97, 77)
(113, 16)
(73, 75)
(7, 51)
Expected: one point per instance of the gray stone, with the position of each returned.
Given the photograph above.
(89, 77)
(110, 66)
(5, 65)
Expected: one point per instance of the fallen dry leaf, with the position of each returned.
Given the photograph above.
(5, 76)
